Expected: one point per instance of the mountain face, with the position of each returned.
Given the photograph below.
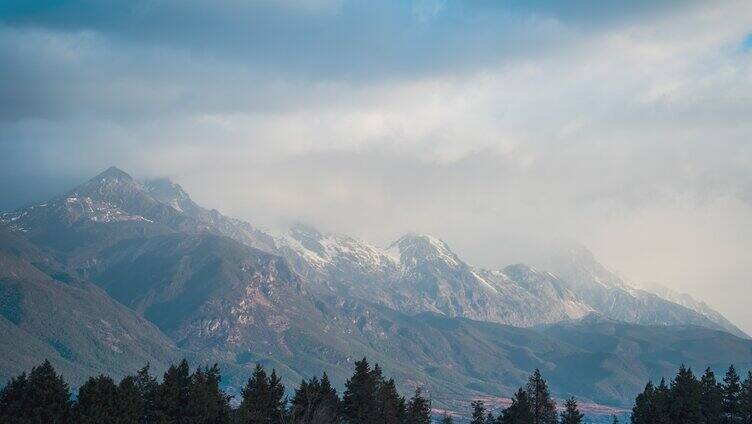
(169, 193)
(611, 296)
(47, 313)
(420, 273)
(699, 306)
(219, 290)
(623, 355)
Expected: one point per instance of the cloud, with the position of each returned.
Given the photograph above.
(494, 125)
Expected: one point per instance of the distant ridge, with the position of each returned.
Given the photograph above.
(220, 289)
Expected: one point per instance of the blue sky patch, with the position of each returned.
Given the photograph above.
(747, 44)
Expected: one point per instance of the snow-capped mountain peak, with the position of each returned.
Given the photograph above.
(420, 248)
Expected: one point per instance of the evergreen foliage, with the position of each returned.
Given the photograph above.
(571, 414)
(690, 400)
(685, 398)
(711, 399)
(207, 402)
(519, 412)
(263, 399)
(42, 396)
(419, 409)
(542, 405)
(745, 403)
(732, 393)
(131, 403)
(315, 401)
(97, 401)
(173, 395)
(479, 412)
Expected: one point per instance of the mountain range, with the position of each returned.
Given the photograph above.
(117, 272)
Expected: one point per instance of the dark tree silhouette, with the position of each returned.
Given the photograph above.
(644, 409)
(711, 399)
(131, 405)
(479, 412)
(42, 397)
(520, 411)
(732, 391)
(571, 414)
(315, 402)
(542, 405)
(263, 399)
(173, 395)
(419, 408)
(685, 398)
(447, 419)
(359, 401)
(97, 401)
(745, 403)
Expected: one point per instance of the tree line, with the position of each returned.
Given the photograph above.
(183, 397)
(531, 404)
(691, 400)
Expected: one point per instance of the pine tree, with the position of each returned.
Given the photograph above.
(711, 399)
(42, 397)
(745, 403)
(615, 420)
(685, 397)
(48, 396)
(419, 409)
(662, 402)
(147, 388)
(479, 412)
(359, 403)
(315, 402)
(644, 409)
(571, 414)
(130, 404)
(520, 411)
(13, 399)
(542, 405)
(173, 395)
(208, 403)
(732, 391)
(390, 406)
(97, 401)
(328, 409)
(263, 399)
(447, 419)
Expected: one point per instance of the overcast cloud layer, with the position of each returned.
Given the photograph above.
(494, 125)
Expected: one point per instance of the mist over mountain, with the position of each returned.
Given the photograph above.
(152, 275)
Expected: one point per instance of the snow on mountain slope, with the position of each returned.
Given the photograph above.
(690, 302)
(416, 273)
(420, 273)
(610, 295)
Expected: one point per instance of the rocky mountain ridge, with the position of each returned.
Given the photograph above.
(222, 290)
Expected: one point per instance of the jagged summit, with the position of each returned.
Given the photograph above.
(112, 173)
(416, 248)
(418, 272)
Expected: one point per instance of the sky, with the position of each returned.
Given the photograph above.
(495, 125)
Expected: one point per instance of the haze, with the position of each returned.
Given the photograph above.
(496, 126)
